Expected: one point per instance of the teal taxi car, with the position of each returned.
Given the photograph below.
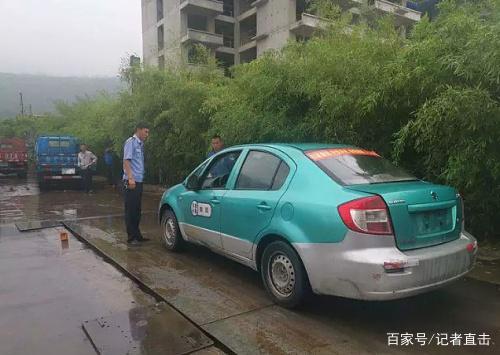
(331, 219)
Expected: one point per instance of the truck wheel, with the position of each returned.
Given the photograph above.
(171, 234)
(284, 275)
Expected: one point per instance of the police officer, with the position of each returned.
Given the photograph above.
(133, 175)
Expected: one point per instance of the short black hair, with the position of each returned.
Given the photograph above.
(141, 125)
(216, 136)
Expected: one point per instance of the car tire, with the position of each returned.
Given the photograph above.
(284, 275)
(171, 236)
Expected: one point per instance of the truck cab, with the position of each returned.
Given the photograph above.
(57, 160)
(13, 156)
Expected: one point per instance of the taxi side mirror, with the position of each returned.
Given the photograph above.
(193, 183)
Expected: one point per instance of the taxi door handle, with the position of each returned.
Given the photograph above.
(215, 201)
(263, 206)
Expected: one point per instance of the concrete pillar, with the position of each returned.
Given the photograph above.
(237, 32)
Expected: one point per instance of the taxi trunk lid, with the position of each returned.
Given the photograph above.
(422, 214)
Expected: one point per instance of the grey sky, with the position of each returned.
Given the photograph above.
(68, 37)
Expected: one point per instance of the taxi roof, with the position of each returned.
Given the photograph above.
(300, 146)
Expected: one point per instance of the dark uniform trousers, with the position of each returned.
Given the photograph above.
(133, 200)
(86, 179)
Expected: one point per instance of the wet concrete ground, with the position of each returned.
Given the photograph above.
(229, 302)
(53, 293)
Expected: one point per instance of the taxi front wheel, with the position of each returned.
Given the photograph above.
(284, 275)
(171, 234)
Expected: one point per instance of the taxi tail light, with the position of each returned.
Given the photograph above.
(366, 215)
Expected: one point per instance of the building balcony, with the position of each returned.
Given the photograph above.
(247, 37)
(259, 3)
(248, 45)
(247, 14)
(402, 14)
(202, 7)
(225, 18)
(209, 39)
(307, 25)
(226, 50)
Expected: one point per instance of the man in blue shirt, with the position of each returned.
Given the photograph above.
(133, 176)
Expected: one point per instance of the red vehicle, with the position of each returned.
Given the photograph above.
(13, 156)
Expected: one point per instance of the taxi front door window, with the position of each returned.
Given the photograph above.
(218, 173)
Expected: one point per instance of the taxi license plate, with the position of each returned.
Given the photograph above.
(69, 171)
(434, 222)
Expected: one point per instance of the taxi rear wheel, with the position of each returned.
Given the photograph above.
(284, 275)
(171, 235)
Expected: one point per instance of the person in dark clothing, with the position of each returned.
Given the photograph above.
(133, 176)
(109, 162)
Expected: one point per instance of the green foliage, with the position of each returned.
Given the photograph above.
(453, 75)
(431, 101)
(324, 8)
(171, 103)
(334, 88)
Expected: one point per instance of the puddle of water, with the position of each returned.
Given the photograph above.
(145, 330)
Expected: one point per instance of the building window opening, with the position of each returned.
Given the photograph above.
(228, 8)
(159, 10)
(248, 55)
(197, 22)
(227, 31)
(245, 5)
(301, 6)
(161, 38)
(248, 30)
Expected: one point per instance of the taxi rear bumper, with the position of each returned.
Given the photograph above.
(370, 267)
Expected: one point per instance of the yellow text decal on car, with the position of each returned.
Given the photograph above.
(334, 152)
(201, 209)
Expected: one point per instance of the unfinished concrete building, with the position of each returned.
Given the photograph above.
(238, 31)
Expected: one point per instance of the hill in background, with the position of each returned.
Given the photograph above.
(42, 91)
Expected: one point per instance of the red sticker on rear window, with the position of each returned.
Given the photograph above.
(335, 152)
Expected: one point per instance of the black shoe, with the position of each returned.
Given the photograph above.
(133, 242)
(143, 239)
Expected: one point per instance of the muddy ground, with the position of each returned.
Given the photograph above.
(47, 291)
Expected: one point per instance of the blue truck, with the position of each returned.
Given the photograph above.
(57, 160)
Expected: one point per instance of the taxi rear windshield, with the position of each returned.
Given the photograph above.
(352, 166)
